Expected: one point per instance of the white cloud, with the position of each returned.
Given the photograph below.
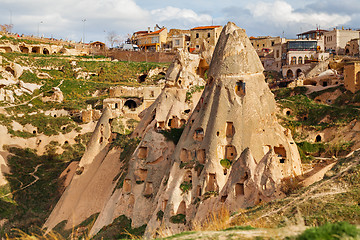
(282, 13)
(182, 16)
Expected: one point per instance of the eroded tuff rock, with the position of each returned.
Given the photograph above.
(150, 164)
(89, 192)
(234, 122)
(232, 152)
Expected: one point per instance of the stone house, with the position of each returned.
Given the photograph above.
(353, 47)
(337, 39)
(210, 34)
(352, 76)
(265, 44)
(151, 41)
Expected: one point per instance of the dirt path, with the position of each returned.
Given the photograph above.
(28, 185)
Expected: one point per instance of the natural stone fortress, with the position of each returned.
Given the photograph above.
(232, 151)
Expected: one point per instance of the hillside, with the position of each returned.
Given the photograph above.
(43, 133)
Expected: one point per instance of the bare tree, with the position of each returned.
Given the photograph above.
(6, 28)
(113, 38)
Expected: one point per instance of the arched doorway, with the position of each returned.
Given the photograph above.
(45, 51)
(300, 61)
(293, 61)
(131, 104)
(358, 77)
(24, 49)
(35, 50)
(298, 72)
(289, 74)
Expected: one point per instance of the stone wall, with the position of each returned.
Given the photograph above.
(140, 56)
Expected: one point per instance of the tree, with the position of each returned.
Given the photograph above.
(6, 28)
(112, 38)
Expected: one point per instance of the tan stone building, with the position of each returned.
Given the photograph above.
(178, 39)
(353, 47)
(352, 76)
(210, 34)
(265, 43)
(152, 41)
(337, 39)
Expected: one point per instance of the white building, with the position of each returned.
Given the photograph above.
(337, 39)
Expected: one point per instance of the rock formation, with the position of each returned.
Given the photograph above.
(129, 190)
(232, 151)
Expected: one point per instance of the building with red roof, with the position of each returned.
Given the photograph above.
(198, 35)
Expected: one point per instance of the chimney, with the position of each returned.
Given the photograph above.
(148, 29)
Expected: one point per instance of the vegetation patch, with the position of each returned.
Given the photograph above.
(32, 199)
(173, 134)
(128, 146)
(185, 186)
(178, 219)
(225, 163)
(120, 228)
(339, 230)
(159, 215)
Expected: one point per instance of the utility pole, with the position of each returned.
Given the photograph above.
(38, 30)
(83, 40)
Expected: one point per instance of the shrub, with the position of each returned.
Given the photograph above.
(179, 218)
(225, 163)
(329, 231)
(159, 215)
(185, 186)
(290, 185)
(173, 134)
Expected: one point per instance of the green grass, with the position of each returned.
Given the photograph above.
(239, 228)
(31, 205)
(180, 235)
(330, 231)
(332, 201)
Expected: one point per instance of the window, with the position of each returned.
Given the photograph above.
(197, 35)
(208, 35)
(272, 43)
(155, 40)
(177, 42)
(197, 46)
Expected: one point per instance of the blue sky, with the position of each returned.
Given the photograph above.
(63, 18)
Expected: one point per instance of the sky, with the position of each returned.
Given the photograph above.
(96, 19)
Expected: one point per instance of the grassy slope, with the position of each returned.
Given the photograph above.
(26, 209)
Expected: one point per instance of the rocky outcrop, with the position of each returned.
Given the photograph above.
(139, 182)
(56, 96)
(93, 182)
(235, 159)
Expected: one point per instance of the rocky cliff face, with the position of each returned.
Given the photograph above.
(232, 152)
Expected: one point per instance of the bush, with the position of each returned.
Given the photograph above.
(185, 186)
(331, 231)
(179, 218)
(225, 163)
(173, 134)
